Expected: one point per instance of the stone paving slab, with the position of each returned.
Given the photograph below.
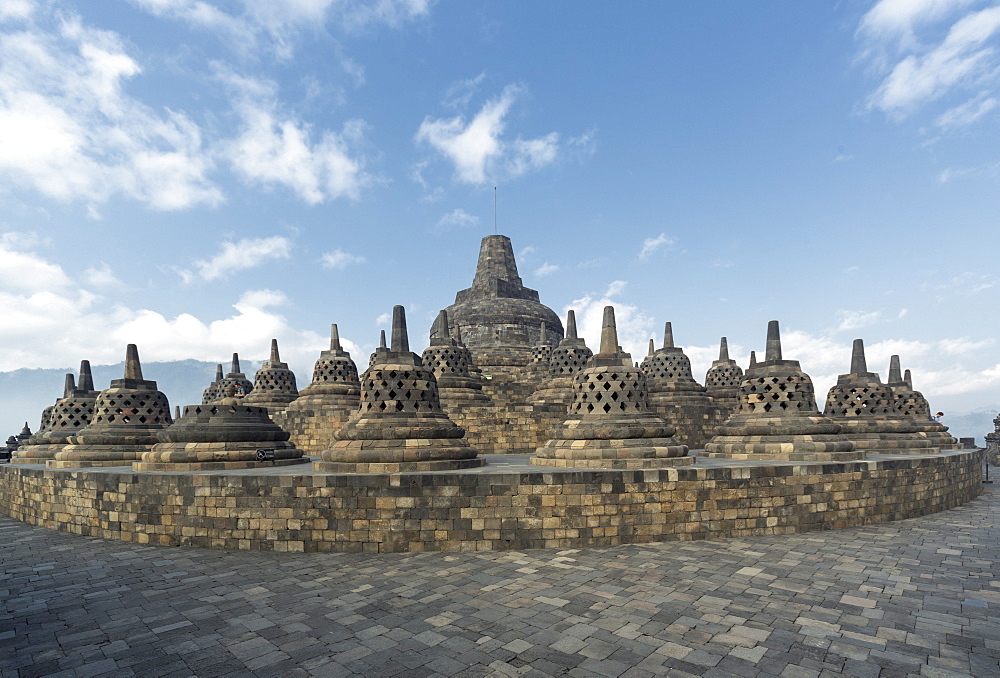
(908, 599)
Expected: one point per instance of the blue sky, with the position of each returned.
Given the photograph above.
(197, 177)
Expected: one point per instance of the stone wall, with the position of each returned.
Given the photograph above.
(484, 511)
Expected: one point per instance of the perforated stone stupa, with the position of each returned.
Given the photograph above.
(32, 444)
(234, 377)
(867, 410)
(914, 406)
(274, 384)
(723, 379)
(538, 367)
(566, 359)
(677, 397)
(127, 417)
(70, 414)
(326, 404)
(499, 317)
(212, 392)
(777, 417)
(451, 363)
(228, 434)
(400, 425)
(609, 423)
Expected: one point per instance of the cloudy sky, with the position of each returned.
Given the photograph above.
(198, 176)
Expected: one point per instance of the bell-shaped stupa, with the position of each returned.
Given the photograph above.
(212, 392)
(326, 404)
(225, 435)
(70, 414)
(32, 450)
(568, 358)
(400, 425)
(610, 423)
(500, 317)
(127, 417)
(451, 363)
(915, 407)
(677, 397)
(723, 379)
(867, 410)
(777, 417)
(234, 377)
(541, 353)
(274, 384)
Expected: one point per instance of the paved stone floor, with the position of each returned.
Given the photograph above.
(914, 598)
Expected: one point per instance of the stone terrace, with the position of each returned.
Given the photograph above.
(910, 598)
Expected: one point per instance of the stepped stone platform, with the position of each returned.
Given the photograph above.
(507, 504)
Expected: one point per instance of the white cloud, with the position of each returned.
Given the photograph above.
(16, 9)
(650, 245)
(275, 148)
(69, 130)
(964, 345)
(963, 59)
(476, 148)
(338, 259)
(101, 276)
(460, 92)
(635, 326)
(457, 218)
(526, 252)
(967, 113)
(852, 320)
(546, 269)
(383, 319)
(238, 256)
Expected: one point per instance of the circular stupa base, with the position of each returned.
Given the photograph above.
(36, 454)
(614, 463)
(397, 467)
(88, 456)
(789, 456)
(888, 443)
(162, 467)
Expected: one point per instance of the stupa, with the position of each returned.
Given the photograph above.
(609, 423)
(127, 417)
(777, 416)
(33, 443)
(568, 358)
(228, 434)
(677, 397)
(541, 353)
(499, 317)
(211, 392)
(326, 404)
(722, 381)
(451, 363)
(234, 377)
(400, 425)
(867, 410)
(274, 384)
(915, 407)
(70, 414)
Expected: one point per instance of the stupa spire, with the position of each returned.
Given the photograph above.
(858, 363)
(86, 377)
(908, 379)
(400, 340)
(609, 332)
(773, 351)
(668, 335)
(381, 339)
(652, 348)
(219, 376)
(894, 375)
(236, 364)
(753, 360)
(439, 331)
(335, 338)
(69, 385)
(571, 324)
(133, 369)
(496, 262)
(723, 349)
(275, 358)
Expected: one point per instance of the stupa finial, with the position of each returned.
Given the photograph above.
(335, 338)
(133, 368)
(668, 335)
(235, 369)
(773, 351)
(543, 338)
(69, 385)
(439, 331)
(609, 332)
(753, 359)
(86, 377)
(275, 358)
(400, 340)
(894, 374)
(571, 324)
(723, 349)
(219, 376)
(652, 348)
(858, 363)
(908, 379)
(381, 339)
(457, 334)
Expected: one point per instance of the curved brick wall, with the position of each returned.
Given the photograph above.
(487, 511)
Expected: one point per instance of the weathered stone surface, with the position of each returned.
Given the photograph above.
(869, 414)
(326, 404)
(777, 417)
(69, 415)
(498, 316)
(677, 397)
(400, 425)
(212, 393)
(234, 377)
(609, 423)
(451, 362)
(723, 379)
(566, 359)
(915, 407)
(127, 418)
(273, 385)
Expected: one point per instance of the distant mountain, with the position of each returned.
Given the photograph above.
(972, 424)
(25, 393)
